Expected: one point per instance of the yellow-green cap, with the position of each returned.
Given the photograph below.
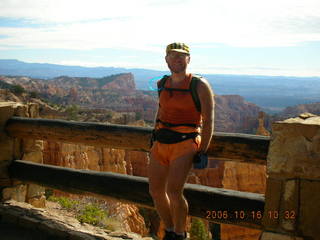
(178, 47)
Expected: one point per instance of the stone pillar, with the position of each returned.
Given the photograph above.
(24, 149)
(292, 209)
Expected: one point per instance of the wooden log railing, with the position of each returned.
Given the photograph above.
(224, 146)
(213, 204)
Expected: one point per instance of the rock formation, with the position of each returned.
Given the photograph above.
(115, 92)
(298, 109)
(234, 114)
(243, 177)
(124, 82)
(261, 129)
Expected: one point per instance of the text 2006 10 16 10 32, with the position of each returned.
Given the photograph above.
(240, 214)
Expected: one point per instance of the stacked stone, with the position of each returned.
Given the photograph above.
(23, 149)
(293, 185)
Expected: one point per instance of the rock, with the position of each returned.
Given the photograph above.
(54, 225)
(306, 115)
(302, 143)
(17, 193)
(122, 81)
(301, 109)
(247, 178)
(261, 129)
(136, 163)
(234, 114)
(38, 202)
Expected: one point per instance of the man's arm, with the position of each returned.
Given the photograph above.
(206, 97)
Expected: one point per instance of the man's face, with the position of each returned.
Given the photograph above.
(177, 62)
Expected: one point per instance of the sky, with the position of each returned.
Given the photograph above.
(255, 37)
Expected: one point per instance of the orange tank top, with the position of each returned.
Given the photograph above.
(178, 107)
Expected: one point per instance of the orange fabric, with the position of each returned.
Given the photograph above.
(178, 107)
(166, 153)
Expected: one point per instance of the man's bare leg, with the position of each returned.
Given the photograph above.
(178, 173)
(158, 176)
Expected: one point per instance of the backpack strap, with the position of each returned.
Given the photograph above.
(193, 88)
(161, 84)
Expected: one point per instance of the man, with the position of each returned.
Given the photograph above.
(170, 164)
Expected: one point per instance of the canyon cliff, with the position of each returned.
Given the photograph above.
(116, 92)
(294, 111)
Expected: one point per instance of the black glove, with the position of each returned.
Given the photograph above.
(200, 160)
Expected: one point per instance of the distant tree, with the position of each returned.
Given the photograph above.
(17, 89)
(34, 94)
(73, 112)
(138, 115)
(108, 115)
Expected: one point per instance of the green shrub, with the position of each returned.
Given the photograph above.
(88, 212)
(73, 112)
(64, 202)
(198, 230)
(92, 214)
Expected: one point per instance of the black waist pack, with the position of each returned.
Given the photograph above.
(164, 135)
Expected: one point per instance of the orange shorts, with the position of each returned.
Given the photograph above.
(166, 153)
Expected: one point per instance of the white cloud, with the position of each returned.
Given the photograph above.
(149, 25)
(68, 11)
(145, 24)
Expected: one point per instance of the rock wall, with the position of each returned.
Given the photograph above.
(84, 157)
(293, 182)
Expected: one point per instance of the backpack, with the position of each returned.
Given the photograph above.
(193, 89)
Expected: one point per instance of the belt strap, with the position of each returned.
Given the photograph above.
(178, 124)
(168, 136)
